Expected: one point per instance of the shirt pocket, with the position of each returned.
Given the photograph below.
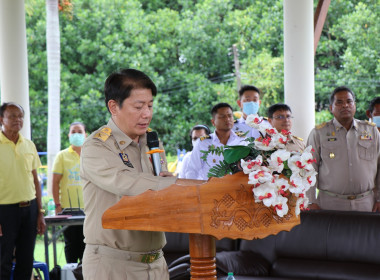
(28, 161)
(366, 149)
(330, 151)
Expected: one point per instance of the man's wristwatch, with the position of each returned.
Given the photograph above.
(42, 211)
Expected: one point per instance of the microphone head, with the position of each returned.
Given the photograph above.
(152, 139)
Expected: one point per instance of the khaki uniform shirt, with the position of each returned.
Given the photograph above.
(347, 162)
(107, 175)
(295, 144)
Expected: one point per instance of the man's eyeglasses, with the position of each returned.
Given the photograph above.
(281, 117)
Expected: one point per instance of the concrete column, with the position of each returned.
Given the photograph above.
(14, 58)
(299, 64)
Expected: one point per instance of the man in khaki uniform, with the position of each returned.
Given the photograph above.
(280, 117)
(347, 153)
(114, 163)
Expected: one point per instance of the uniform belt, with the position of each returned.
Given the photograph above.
(143, 257)
(348, 196)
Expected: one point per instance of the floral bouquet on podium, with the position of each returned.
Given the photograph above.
(272, 171)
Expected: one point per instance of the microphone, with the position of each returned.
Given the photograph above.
(153, 144)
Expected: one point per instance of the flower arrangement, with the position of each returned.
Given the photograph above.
(273, 171)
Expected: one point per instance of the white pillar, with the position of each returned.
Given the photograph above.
(14, 58)
(299, 64)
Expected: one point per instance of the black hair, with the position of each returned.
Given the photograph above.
(215, 109)
(200, 127)
(5, 105)
(373, 103)
(119, 85)
(277, 107)
(78, 123)
(339, 89)
(246, 88)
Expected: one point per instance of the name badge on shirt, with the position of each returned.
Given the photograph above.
(125, 159)
(365, 136)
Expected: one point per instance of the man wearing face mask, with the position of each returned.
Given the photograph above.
(249, 103)
(67, 189)
(373, 112)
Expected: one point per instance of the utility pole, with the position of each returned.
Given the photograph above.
(237, 66)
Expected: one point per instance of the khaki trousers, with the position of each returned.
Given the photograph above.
(113, 264)
(327, 202)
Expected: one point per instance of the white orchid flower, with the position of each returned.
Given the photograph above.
(282, 185)
(251, 165)
(254, 121)
(264, 144)
(265, 193)
(276, 160)
(260, 176)
(281, 206)
(302, 203)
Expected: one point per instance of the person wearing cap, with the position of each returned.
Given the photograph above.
(347, 153)
(280, 117)
(67, 189)
(196, 132)
(223, 121)
(115, 163)
(21, 213)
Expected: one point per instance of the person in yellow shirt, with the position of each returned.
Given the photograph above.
(21, 214)
(67, 189)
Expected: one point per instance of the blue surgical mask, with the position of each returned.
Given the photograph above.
(376, 120)
(77, 139)
(250, 108)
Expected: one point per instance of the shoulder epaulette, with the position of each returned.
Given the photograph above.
(235, 121)
(149, 129)
(265, 118)
(103, 134)
(370, 123)
(241, 133)
(298, 138)
(319, 126)
(204, 137)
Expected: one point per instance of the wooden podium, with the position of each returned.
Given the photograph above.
(222, 207)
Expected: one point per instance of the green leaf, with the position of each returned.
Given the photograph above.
(235, 153)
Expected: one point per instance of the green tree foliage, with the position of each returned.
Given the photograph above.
(184, 46)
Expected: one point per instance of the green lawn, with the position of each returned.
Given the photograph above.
(39, 252)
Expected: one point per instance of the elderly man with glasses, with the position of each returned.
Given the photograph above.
(280, 117)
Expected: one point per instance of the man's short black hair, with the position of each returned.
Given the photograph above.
(119, 85)
(373, 103)
(277, 107)
(246, 88)
(215, 109)
(339, 89)
(5, 105)
(200, 127)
